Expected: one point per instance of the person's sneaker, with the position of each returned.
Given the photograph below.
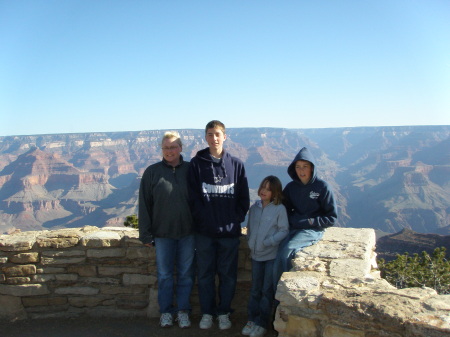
(248, 328)
(183, 319)
(206, 322)
(258, 331)
(166, 320)
(224, 321)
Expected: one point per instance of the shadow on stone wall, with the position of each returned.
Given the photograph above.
(87, 271)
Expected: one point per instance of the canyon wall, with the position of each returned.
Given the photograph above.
(386, 178)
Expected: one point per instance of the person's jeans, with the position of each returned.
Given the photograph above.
(262, 293)
(171, 253)
(216, 255)
(296, 240)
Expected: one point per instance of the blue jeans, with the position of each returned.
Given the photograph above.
(216, 256)
(296, 240)
(262, 293)
(171, 253)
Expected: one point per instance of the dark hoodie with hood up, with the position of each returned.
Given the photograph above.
(218, 193)
(310, 206)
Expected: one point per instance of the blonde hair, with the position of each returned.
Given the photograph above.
(170, 135)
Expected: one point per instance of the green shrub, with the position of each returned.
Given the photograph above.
(418, 271)
(132, 221)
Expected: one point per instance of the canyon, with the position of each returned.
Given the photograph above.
(386, 178)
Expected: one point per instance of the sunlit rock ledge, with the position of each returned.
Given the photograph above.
(334, 288)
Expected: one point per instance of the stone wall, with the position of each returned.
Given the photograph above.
(87, 271)
(334, 290)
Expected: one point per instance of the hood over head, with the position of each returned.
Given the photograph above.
(303, 154)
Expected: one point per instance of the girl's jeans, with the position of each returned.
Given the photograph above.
(262, 293)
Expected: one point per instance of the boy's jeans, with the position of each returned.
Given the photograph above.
(262, 293)
(296, 240)
(216, 255)
(171, 253)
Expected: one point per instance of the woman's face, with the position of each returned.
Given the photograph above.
(171, 151)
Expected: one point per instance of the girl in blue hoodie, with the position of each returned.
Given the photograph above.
(267, 226)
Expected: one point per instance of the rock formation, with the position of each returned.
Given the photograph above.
(387, 178)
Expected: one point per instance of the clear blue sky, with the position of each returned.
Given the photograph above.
(83, 66)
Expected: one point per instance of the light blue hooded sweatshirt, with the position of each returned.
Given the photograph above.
(266, 228)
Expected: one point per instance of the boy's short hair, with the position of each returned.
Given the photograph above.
(170, 135)
(215, 124)
(275, 187)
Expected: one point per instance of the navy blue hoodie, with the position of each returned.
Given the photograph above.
(310, 206)
(218, 194)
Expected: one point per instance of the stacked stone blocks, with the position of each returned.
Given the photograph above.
(83, 271)
(335, 290)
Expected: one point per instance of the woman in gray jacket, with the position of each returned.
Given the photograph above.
(165, 222)
(267, 226)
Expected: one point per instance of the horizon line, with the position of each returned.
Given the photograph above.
(228, 128)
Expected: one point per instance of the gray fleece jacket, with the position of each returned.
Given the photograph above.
(266, 228)
(163, 202)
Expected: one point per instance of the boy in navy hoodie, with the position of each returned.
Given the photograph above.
(310, 206)
(220, 200)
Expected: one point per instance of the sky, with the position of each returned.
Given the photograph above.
(75, 66)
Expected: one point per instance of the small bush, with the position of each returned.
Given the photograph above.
(132, 221)
(418, 271)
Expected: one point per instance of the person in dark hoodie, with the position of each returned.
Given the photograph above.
(311, 208)
(165, 221)
(220, 200)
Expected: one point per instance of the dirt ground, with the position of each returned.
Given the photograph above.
(115, 327)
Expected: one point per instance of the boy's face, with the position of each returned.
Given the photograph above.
(304, 170)
(215, 138)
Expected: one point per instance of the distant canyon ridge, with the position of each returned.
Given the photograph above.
(387, 178)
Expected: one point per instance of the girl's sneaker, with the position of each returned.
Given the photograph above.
(258, 331)
(248, 328)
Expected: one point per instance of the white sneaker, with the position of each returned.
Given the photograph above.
(183, 319)
(166, 320)
(224, 321)
(248, 328)
(206, 322)
(258, 331)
